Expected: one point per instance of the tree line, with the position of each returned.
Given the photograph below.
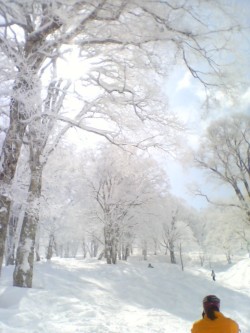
(125, 50)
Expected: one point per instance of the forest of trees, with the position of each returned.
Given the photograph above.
(99, 67)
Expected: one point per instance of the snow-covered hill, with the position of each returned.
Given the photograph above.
(89, 296)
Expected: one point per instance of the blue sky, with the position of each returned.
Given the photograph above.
(185, 99)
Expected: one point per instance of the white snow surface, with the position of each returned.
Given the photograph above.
(89, 296)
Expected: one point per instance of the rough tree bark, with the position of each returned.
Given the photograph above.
(11, 241)
(10, 155)
(23, 275)
(28, 61)
(37, 136)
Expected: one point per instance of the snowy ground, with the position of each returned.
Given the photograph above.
(88, 296)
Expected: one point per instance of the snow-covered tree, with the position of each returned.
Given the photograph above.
(42, 140)
(62, 214)
(221, 232)
(224, 154)
(164, 227)
(121, 185)
(175, 229)
(116, 38)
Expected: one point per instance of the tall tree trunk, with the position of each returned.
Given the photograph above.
(23, 273)
(11, 240)
(84, 249)
(171, 252)
(50, 247)
(181, 257)
(125, 251)
(145, 250)
(107, 244)
(94, 248)
(111, 232)
(10, 155)
(114, 251)
(4, 218)
(28, 60)
(202, 258)
(38, 134)
(155, 241)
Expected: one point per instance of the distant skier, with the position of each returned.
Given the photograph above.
(213, 320)
(213, 275)
(150, 266)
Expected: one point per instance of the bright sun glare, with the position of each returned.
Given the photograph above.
(72, 67)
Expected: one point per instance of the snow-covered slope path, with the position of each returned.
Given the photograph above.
(73, 295)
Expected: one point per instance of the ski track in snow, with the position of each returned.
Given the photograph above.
(89, 296)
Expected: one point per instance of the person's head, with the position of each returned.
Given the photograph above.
(211, 303)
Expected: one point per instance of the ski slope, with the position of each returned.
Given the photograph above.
(89, 296)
